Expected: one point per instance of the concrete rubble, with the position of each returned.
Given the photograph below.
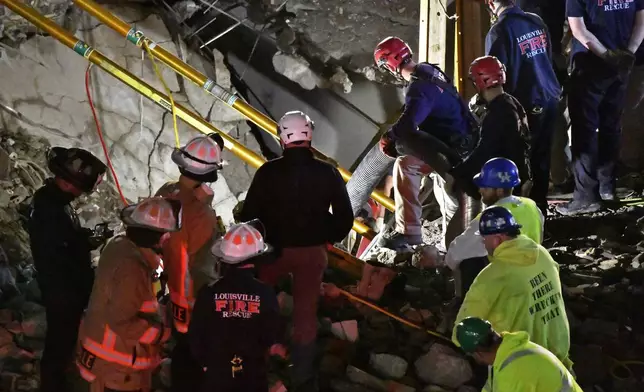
(361, 349)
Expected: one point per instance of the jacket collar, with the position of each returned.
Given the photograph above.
(298, 153)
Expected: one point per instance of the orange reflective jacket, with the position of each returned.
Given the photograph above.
(120, 337)
(186, 255)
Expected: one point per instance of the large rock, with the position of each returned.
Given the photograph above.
(443, 366)
(389, 366)
(296, 69)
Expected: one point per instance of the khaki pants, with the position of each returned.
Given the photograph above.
(408, 174)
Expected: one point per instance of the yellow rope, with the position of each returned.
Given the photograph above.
(167, 91)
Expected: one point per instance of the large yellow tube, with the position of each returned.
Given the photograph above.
(143, 88)
(187, 71)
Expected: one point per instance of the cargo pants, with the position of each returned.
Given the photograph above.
(306, 265)
(596, 102)
(408, 174)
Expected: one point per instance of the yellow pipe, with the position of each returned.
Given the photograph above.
(187, 71)
(458, 49)
(143, 88)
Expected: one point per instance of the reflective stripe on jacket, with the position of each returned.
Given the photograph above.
(520, 290)
(123, 329)
(521, 365)
(470, 244)
(186, 255)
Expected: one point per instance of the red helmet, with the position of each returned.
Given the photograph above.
(486, 72)
(391, 54)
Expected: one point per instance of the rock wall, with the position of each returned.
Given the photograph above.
(44, 82)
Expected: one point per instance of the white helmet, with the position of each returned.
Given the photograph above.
(201, 155)
(154, 213)
(294, 127)
(241, 242)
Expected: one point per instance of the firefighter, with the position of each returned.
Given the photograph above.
(61, 251)
(235, 321)
(121, 335)
(188, 262)
(520, 289)
(434, 132)
(512, 359)
(521, 41)
(291, 196)
(606, 36)
(504, 126)
(466, 255)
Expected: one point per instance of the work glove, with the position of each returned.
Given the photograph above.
(388, 145)
(619, 59)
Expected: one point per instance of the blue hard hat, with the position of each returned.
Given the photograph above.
(498, 173)
(497, 220)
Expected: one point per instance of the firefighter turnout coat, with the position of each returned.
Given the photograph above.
(187, 260)
(120, 337)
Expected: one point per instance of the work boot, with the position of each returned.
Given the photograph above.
(577, 208)
(398, 241)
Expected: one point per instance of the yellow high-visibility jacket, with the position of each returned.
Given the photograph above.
(520, 291)
(523, 366)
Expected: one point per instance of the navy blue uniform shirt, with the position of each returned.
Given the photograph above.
(520, 41)
(430, 108)
(611, 21)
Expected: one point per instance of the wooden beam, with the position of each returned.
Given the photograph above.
(432, 40)
(471, 29)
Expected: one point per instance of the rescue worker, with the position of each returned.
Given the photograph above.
(291, 196)
(467, 255)
(434, 132)
(235, 321)
(514, 362)
(606, 36)
(520, 289)
(61, 251)
(188, 262)
(504, 126)
(121, 335)
(521, 41)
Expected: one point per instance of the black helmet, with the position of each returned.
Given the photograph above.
(77, 166)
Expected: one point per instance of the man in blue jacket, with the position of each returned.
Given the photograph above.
(433, 133)
(521, 42)
(606, 34)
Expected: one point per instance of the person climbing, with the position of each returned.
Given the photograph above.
(512, 359)
(61, 252)
(236, 305)
(186, 255)
(520, 289)
(606, 36)
(467, 255)
(504, 126)
(291, 196)
(521, 41)
(434, 132)
(121, 336)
